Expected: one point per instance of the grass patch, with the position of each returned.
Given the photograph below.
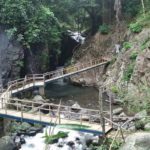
(135, 27)
(133, 55)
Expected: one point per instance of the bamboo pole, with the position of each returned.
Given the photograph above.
(102, 120)
(114, 139)
(55, 123)
(111, 111)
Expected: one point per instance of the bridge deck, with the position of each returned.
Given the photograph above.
(30, 111)
(47, 120)
(41, 79)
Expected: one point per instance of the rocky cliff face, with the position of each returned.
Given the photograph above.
(132, 65)
(129, 69)
(11, 55)
(94, 48)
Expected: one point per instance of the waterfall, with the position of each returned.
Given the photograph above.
(77, 37)
(75, 140)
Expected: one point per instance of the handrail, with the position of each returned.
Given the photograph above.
(33, 78)
(19, 105)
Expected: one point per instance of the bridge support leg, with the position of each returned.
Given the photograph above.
(42, 91)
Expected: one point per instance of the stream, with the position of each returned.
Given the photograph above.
(74, 141)
(86, 97)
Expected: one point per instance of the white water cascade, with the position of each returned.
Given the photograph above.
(75, 141)
(77, 36)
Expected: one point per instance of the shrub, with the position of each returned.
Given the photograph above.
(133, 55)
(127, 45)
(128, 73)
(135, 27)
(146, 43)
(139, 125)
(104, 29)
(115, 89)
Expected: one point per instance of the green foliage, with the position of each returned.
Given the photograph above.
(144, 21)
(20, 63)
(131, 7)
(133, 55)
(104, 29)
(44, 59)
(50, 139)
(138, 101)
(29, 22)
(127, 45)
(106, 144)
(11, 32)
(139, 125)
(145, 44)
(115, 89)
(128, 72)
(135, 27)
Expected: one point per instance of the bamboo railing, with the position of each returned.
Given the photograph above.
(54, 75)
(67, 112)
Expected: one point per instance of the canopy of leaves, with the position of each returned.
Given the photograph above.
(32, 21)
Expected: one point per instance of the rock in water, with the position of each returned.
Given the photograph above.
(38, 98)
(76, 107)
(6, 143)
(137, 141)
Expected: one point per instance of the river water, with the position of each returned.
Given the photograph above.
(86, 97)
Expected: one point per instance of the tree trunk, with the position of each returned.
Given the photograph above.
(143, 6)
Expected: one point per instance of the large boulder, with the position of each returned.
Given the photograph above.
(137, 141)
(6, 143)
(117, 111)
(76, 107)
(147, 126)
(38, 99)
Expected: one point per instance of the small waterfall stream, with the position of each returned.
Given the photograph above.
(75, 141)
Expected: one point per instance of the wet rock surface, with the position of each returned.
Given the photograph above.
(7, 143)
(12, 54)
(137, 141)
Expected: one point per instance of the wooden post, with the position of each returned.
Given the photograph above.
(102, 120)
(111, 111)
(80, 119)
(17, 105)
(40, 114)
(59, 117)
(21, 113)
(122, 134)
(33, 80)
(2, 102)
(5, 108)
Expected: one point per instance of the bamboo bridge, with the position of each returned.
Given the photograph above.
(24, 110)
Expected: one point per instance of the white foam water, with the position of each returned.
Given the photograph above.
(77, 138)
